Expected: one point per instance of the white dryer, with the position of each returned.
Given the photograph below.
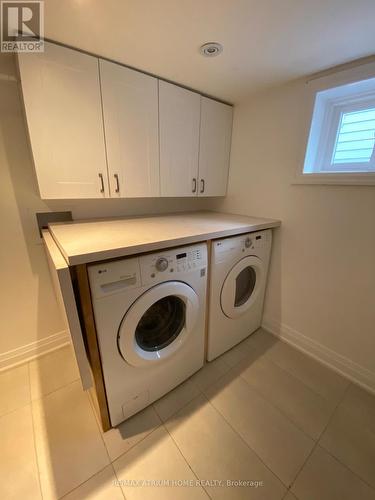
(150, 319)
(239, 267)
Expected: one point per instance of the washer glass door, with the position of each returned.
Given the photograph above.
(241, 286)
(158, 323)
(161, 323)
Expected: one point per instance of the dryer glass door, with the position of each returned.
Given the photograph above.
(245, 284)
(241, 286)
(158, 323)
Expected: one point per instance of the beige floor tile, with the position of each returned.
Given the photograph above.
(68, 442)
(324, 478)
(52, 371)
(176, 399)
(18, 466)
(352, 443)
(315, 375)
(236, 354)
(261, 341)
(308, 410)
(290, 496)
(14, 389)
(156, 458)
(215, 452)
(123, 437)
(361, 405)
(102, 486)
(210, 373)
(275, 439)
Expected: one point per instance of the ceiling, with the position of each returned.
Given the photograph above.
(266, 42)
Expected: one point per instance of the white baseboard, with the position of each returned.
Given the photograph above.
(345, 366)
(31, 351)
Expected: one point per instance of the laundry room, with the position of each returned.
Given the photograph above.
(187, 210)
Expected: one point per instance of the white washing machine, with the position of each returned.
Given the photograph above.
(150, 319)
(239, 267)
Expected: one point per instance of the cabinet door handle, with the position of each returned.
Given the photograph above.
(101, 183)
(117, 190)
(194, 188)
(202, 186)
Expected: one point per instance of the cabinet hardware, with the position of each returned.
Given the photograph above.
(102, 183)
(194, 190)
(202, 186)
(117, 190)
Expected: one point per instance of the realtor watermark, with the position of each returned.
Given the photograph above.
(189, 483)
(22, 26)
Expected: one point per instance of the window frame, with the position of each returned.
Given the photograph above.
(330, 97)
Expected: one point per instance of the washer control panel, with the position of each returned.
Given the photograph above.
(162, 264)
(248, 242)
(170, 264)
(189, 260)
(108, 278)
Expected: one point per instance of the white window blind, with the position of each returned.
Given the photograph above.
(355, 138)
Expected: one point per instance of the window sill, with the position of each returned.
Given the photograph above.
(363, 179)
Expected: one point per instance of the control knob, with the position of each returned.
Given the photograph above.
(161, 264)
(248, 242)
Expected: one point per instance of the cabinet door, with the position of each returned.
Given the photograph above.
(130, 110)
(214, 147)
(61, 93)
(179, 115)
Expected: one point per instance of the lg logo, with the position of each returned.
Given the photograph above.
(22, 25)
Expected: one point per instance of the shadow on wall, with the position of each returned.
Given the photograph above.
(274, 279)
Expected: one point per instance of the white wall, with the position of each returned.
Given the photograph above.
(321, 292)
(29, 314)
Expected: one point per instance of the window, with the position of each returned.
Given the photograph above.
(342, 134)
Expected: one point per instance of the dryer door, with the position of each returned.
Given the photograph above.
(242, 286)
(158, 323)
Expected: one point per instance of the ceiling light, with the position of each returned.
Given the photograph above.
(211, 49)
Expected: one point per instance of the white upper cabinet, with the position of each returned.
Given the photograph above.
(61, 93)
(98, 129)
(214, 147)
(179, 117)
(130, 111)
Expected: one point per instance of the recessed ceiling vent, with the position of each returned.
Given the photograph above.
(211, 49)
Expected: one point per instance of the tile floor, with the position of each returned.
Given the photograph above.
(263, 413)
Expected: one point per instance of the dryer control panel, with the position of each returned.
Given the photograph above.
(244, 244)
(170, 264)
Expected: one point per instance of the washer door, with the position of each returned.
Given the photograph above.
(158, 323)
(241, 286)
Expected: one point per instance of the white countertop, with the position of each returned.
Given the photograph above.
(81, 242)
